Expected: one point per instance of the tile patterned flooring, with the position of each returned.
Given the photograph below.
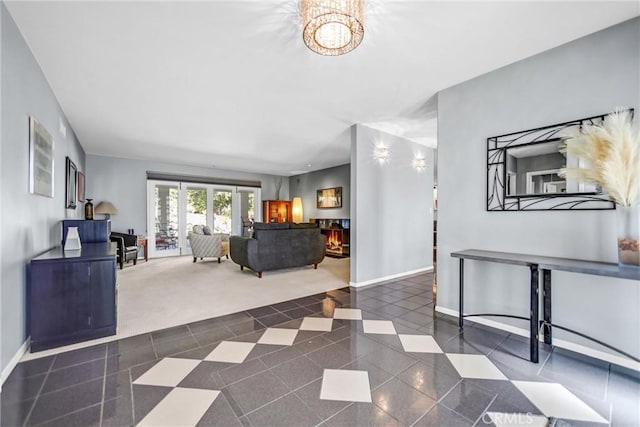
(376, 356)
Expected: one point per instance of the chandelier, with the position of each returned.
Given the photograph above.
(332, 27)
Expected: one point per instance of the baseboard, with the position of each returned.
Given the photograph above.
(14, 361)
(391, 277)
(568, 345)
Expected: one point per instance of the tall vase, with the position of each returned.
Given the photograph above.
(628, 235)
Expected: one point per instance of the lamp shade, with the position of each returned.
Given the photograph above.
(106, 208)
(296, 210)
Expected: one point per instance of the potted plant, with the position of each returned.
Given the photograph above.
(611, 151)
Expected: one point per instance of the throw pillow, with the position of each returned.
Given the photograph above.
(207, 230)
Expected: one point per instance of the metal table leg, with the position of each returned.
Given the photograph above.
(546, 305)
(461, 295)
(534, 315)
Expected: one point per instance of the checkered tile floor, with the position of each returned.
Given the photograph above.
(378, 356)
(344, 385)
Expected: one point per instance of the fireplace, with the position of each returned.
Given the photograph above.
(336, 231)
(334, 241)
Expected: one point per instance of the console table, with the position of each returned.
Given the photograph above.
(72, 295)
(544, 264)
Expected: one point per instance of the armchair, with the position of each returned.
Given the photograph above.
(127, 247)
(214, 245)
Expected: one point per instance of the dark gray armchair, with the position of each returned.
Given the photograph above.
(127, 247)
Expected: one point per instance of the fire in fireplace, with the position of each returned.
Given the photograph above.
(334, 241)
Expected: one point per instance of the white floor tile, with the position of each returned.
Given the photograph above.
(278, 336)
(501, 419)
(316, 324)
(345, 385)
(181, 407)
(378, 327)
(168, 372)
(230, 352)
(475, 366)
(556, 401)
(419, 344)
(347, 313)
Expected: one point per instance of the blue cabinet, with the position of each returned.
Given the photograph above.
(72, 295)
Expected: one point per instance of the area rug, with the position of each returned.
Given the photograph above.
(166, 292)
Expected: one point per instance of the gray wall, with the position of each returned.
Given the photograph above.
(306, 185)
(30, 223)
(124, 183)
(391, 208)
(590, 76)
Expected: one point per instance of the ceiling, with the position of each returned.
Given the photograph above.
(230, 84)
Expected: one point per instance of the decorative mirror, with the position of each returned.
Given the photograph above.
(523, 167)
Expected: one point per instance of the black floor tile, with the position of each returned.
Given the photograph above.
(88, 417)
(262, 311)
(204, 376)
(32, 367)
(170, 334)
(390, 360)
(14, 413)
(429, 380)
(285, 306)
(117, 385)
(298, 372)
(117, 412)
(236, 373)
(145, 398)
(468, 400)
(404, 403)
(377, 376)
(577, 372)
(298, 312)
(129, 344)
(273, 319)
(213, 335)
(324, 409)
(332, 356)
(308, 341)
(441, 416)
(362, 414)
(72, 375)
(254, 392)
(71, 399)
(130, 359)
(179, 345)
(19, 389)
(280, 356)
(286, 411)
(82, 355)
(220, 413)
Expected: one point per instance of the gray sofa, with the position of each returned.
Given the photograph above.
(278, 245)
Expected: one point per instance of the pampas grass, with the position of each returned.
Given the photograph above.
(612, 151)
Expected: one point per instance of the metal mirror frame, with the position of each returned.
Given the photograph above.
(497, 199)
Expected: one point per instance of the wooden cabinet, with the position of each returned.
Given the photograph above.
(72, 295)
(276, 211)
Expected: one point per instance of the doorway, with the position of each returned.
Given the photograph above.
(173, 208)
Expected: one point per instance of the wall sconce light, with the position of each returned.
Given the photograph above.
(381, 154)
(296, 210)
(420, 164)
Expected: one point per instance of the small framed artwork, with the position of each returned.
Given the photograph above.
(40, 159)
(329, 198)
(80, 183)
(70, 200)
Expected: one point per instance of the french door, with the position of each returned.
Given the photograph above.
(175, 207)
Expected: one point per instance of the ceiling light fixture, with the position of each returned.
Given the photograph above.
(381, 154)
(332, 27)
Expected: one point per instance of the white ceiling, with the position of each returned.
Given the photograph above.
(231, 84)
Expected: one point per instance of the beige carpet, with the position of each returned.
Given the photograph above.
(166, 292)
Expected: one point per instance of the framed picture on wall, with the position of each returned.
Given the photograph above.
(40, 159)
(80, 182)
(71, 188)
(329, 198)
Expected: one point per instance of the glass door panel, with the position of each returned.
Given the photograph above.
(165, 219)
(196, 207)
(222, 210)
